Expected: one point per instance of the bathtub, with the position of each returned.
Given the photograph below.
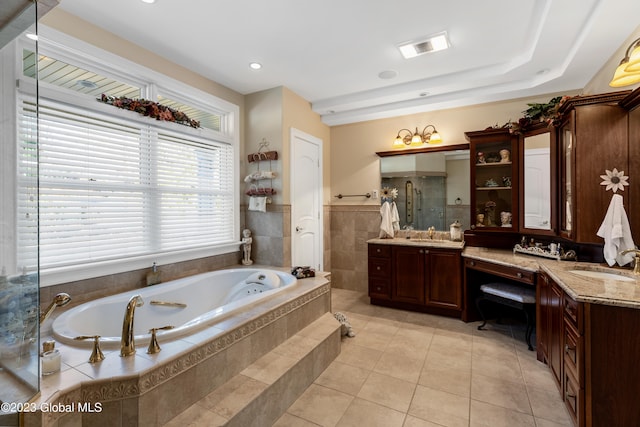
(188, 304)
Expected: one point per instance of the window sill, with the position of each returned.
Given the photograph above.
(56, 276)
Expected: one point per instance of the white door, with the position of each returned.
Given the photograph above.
(306, 200)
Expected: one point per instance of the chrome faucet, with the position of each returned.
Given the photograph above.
(127, 342)
(636, 259)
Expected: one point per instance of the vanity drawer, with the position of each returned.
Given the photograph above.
(573, 351)
(505, 271)
(573, 313)
(379, 288)
(573, 397)
(380, 268)
(380, 251)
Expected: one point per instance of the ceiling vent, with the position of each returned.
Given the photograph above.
(428, 44)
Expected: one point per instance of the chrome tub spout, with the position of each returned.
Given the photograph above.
(127, 342)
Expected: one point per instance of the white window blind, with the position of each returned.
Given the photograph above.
(112, 188)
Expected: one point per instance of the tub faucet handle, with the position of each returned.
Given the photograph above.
(154, 347)
(96, 353)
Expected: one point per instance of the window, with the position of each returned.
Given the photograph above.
(115, 186)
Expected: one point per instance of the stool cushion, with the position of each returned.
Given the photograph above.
(511, 292)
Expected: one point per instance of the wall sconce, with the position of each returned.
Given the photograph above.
(628, 72)
(406, 137)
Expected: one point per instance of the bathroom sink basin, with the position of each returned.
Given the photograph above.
(602, 275)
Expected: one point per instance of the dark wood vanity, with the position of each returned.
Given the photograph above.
(586, 331)
(416, 277)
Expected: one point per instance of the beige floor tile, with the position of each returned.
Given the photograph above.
(410, 341)
(454, 342)
(388, 391)
(342, 377)
(503, 365)
(440, 407)
(541, 422)
(321, 405)
(357, 355)
(400, 365)
(288, 420)
(412, 421)
(364, 413)
(507, 394)
(371, 339)
(548, 405)
(445, 378)
(443, 356)
(197, 416)
(486, 415)
(536, 374)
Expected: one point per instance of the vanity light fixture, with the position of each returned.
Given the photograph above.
(406, 137)
(628, 72)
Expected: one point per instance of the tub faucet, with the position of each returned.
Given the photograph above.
(636, 259)
(127, 342)
(60, 300)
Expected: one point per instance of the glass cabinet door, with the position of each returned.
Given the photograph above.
(494, 177)
(567, 145)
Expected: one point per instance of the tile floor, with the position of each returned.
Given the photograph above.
(418, 370)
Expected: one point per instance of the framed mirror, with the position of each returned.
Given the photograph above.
(537, 175)
(433, 186)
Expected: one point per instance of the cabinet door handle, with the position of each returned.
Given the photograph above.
(568, 395)
(568, 349)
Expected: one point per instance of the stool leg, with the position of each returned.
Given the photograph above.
(529, 331)
(484, 321)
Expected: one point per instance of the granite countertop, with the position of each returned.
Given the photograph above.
(581, 288)
(433, 243)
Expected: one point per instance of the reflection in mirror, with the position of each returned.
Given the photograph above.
(439, 184)
(537, 182)
(19, 292)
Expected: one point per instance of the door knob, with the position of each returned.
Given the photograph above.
(299, 229)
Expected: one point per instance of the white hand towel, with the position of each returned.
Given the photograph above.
(395, 218)
(258, 203)
(616, 232)
(386, 224)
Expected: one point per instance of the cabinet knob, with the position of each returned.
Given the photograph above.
(378, 250)
(568, 349)
(472, 263)
(378, 288)
(421, 251)
(519, 275)
(378, 268)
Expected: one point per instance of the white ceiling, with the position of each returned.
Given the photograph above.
(330, 52)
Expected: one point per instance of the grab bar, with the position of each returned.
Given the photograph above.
(169, 304)
(340, 196)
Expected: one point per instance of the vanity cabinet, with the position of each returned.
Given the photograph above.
(593, 137)
(592, 351)
(416, 278)
(494, 180)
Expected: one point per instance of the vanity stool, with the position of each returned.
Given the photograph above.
(515, 296)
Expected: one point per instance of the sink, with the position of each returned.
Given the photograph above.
(602, 275)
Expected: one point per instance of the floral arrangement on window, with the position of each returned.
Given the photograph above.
(150, 109)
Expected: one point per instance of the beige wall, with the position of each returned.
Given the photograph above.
(355, 167)
(600, 82)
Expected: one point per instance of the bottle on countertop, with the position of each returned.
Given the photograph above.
(153, 277)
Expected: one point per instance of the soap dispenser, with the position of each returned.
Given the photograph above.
(455, 230)
(153, 277)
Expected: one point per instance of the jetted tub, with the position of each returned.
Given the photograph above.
(194, 303)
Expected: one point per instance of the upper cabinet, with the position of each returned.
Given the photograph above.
(593, 137)
(538, 177)
(494, 179)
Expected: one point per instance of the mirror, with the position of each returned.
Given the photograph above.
(536, 182)
(433, 188)
(19, 292)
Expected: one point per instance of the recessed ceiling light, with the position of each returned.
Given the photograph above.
(428, 44)
(149, 1)
(87, 84)
(255, 65)
(32, 36)
(388, 74)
